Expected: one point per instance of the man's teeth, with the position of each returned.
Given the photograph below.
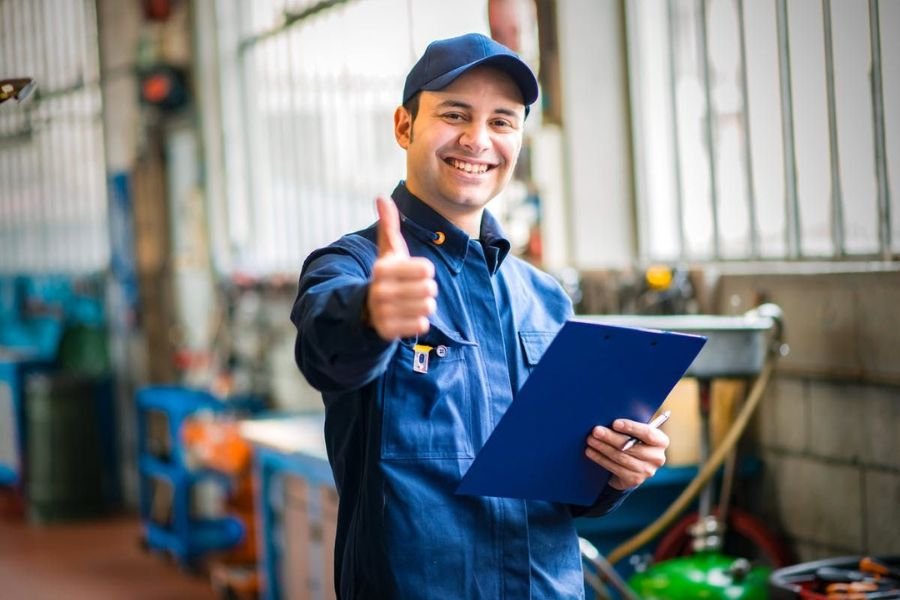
(468, 167)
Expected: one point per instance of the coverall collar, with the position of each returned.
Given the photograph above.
(451, 242)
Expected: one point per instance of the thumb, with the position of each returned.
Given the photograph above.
(390, 240)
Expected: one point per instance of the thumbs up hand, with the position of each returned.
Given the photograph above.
(402, 290)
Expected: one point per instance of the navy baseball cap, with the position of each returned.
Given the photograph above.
(445, 60)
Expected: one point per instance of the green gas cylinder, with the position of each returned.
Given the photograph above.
(706, 575)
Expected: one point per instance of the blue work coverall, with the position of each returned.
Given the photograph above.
(399, 440)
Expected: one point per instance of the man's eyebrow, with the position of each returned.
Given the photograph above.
(454, 104)
(460, 104)
(508, 112)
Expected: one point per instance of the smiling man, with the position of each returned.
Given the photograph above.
(462, 144)
(419, 331)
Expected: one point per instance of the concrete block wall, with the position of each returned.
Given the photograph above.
(828, 429)
(831, 481)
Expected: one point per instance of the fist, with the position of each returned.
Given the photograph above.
(402, 291)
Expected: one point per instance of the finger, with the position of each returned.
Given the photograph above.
(404, 309)
(608, 436)
(650, 436)
(396, 267)
(621, 478)
(612, 453)
(627, 472)
(400, 290)
(638, 458)
(390, 240)
(404, 327)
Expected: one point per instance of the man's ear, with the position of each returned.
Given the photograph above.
(403, 127)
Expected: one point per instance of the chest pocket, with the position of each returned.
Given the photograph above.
(534, 344)
(429, 415)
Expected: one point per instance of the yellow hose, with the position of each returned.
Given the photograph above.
(706, 472)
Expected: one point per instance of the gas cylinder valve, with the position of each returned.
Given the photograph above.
(739, 569)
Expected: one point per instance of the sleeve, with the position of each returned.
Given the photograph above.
(609, 500)
(334, 349)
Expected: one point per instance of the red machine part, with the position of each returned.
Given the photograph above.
(677, 541)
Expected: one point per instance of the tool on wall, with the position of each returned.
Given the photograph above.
(18, 89)
(845, 578)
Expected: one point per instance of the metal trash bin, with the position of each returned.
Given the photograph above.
(65, 477)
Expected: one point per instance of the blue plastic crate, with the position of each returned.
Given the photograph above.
(201, 537)
(183, 536)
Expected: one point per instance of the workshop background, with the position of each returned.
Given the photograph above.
(166, 165)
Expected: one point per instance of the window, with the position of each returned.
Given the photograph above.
(308, 92)
(766, 129)
(52, 190)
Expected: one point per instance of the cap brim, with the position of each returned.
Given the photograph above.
(512, 66)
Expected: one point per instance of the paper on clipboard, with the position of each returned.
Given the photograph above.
(591, 374)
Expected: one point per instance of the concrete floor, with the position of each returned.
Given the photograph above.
(95, 560)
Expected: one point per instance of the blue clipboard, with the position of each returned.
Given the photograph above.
(591, 374)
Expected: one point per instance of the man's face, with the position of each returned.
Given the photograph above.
(462, 148)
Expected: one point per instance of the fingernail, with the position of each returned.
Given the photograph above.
(619, 424)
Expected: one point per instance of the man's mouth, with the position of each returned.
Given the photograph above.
(468, 167)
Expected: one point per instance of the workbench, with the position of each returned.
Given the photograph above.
(296, 506)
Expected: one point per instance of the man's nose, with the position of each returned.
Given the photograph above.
(476, 137)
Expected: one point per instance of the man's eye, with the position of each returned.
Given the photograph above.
(453, 116)
(502, 123)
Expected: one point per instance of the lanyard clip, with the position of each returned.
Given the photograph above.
(420, 358)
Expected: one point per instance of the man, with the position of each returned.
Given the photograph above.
(419, 330)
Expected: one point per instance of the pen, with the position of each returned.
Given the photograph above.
(654, 424)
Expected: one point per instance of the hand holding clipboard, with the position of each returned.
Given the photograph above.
(629, 468)
(591, 374)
